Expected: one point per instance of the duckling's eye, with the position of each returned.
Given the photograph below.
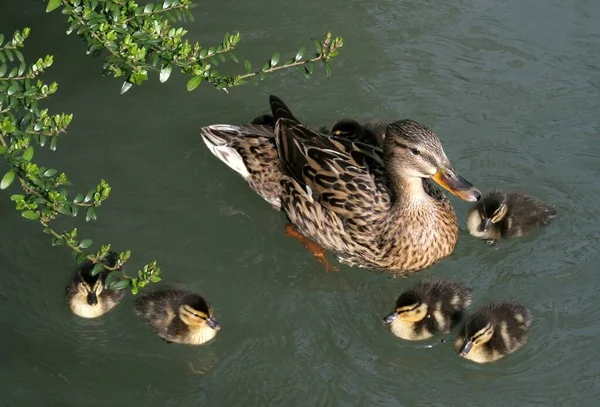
(415, 151)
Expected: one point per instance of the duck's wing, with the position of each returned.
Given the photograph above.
(342, 176)
(280, 110)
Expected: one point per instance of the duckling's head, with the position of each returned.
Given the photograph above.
(198, 316)
(477, 333)
(89, 286)
(346, 128)
(491, 210)
(413, 150)
(409, 308)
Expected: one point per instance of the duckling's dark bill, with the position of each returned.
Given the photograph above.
(92, 299)
(213, 324)
(485, 225)
(456, 184)
(390, 318)
(466, 348)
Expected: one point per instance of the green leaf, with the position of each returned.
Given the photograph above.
(248, 66)
(110, 278)
(3, 150)
(3, 68)
(58, 242)
(53, 142)
(98, 267)
(31, 215)
(126, 86)
(12, 89)
(8, 179)
(52, 5)
(17, 197)
(165, 72)
(85, 243)
(275, 59)
(1, 39)
(50, 172)
(194, 83)
(148, 8)
(28, 154)
(300, 53)
(79, 257)
(119, 285)
(155, 279)
(78, 198)
(90, 214)
(328, 70)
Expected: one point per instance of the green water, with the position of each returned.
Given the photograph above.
(512, 89)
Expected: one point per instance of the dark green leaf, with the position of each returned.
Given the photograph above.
(3, 150)
(110, 277)
(52, 5)
(53, 142)
(300, 53)
(74, 210)
(194, 83)
(31, 215)
(119, 285)
(248, 66)
(8, 179)
(90, 214)
(98, 267)
(78, 198)
(85, 243)
(12, 89)
(1, 39)
(50, 172)
(3, 69)
(275, 59)
(328, 70)
(58, 242)
(28, 154)
(148, 8)
(79, 257)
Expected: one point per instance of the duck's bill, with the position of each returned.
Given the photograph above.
(457, 185)
(485, 224)
(390, 318)
(92, 299)
(465, 348)
(213, 324)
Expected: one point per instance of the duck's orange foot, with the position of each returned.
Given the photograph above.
(314, 248)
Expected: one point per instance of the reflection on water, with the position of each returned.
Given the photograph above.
(511, 88)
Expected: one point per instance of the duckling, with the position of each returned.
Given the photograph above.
(371, 133)
(503, 215)
(493, 332)
(431, 307)
(178, 315)
(86, 294)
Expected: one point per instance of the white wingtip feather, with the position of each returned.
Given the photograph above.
(219, 146)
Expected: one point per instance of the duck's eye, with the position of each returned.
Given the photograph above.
(415, 151)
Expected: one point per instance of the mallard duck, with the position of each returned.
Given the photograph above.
(249, 149)
(493, 332)
(371, 206)
(178, 315)
(86, 295)
(431, 307)
(503, 215)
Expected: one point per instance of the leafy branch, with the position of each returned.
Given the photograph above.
(140, 39)
(45, 195)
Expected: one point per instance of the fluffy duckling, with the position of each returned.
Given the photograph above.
(86, 294)
(493, 332)
(502, 215)
(178, 315)
(431, 307)
(371, 133)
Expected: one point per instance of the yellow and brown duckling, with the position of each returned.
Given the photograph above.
(508, 214)
(372, 133)
(493, 332)
(86, 295)
(431, 307)
(178, 315)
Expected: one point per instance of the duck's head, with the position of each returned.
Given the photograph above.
(492, 209)
(90, 287)
(353, 130)
(413, 150)
(198, 316)
(477, 332)
(409, 308)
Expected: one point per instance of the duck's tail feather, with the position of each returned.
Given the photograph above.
(217, 138)
(280, 110)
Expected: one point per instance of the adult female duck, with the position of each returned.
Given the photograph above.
(373, 207)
